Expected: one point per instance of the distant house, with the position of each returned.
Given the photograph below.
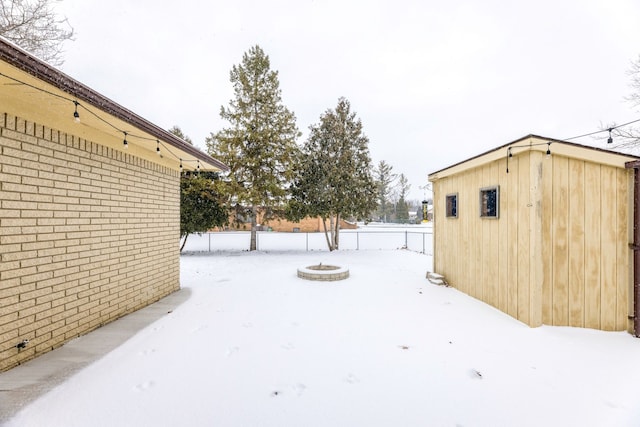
(542, 230)
(306, 225)
(89, 225)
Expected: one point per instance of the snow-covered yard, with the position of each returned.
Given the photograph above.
(254, 345)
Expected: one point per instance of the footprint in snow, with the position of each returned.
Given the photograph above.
(474, 373)
(299, 389)
(288, 346)
(231, 351)
(199, 328)
(144, 386)
(351, 379)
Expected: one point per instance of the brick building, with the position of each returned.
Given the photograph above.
(89, 223)
(306, 225)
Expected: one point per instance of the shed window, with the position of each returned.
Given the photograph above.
(489, 202)
(452, 205)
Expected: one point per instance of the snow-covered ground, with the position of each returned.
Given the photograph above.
(254, 345)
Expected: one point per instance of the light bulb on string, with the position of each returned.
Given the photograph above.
(548, 149)
(180, 165)
(157, 147)
(610, 139)
(76, 115)
(125, 143)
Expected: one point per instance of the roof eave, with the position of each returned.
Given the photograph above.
(29, 64)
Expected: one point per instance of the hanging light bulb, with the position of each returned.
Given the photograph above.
(180, 165)
(125, 143)
(157, 147)
(510, 153)
(610, 140)
(548, 149)
(198, 168)
(76, 115)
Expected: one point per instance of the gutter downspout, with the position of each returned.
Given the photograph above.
(635, 246)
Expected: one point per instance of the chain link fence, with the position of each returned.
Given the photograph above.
(418, 241)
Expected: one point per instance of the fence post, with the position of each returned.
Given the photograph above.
(209, 236)
(424, 250)
(357, 240)
(406, 241)
(307, 241)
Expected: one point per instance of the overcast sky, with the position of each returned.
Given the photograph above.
(434, 82)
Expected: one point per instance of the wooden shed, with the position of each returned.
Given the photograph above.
(542, 230)
(89, 208)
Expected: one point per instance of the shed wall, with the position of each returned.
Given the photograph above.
(587, 235)
(87, 235)
(558, 253)
(489, 258)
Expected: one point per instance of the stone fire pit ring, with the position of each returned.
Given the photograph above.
(323, 272)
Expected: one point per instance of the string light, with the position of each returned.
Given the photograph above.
(610, 139)
(510, 150)
(76, 115)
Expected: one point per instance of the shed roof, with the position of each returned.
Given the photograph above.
(30, 86)
(538, 143)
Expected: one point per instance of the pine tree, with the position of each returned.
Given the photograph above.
(402, 207)
(178, 132)
(259, 146)
(334, 180)
(384, 178)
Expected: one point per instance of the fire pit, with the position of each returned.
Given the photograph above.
(323, 272)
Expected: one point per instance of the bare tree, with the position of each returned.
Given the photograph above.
(34, 26)
(624, 135)
(634, 73)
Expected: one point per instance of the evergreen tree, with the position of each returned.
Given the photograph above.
(178, 132)
(402, 207)
(259, 146)
(384, 178)
(200, 206)
(334, 180)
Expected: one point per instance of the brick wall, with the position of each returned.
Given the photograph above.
(87, 235)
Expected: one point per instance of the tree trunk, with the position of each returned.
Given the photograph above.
(336, 240)
(326, 233)
(184, 243)
(332, 232)
(254, 225)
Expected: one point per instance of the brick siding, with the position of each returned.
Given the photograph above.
(87, 235)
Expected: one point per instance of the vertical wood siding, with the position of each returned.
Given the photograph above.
(558, 253)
